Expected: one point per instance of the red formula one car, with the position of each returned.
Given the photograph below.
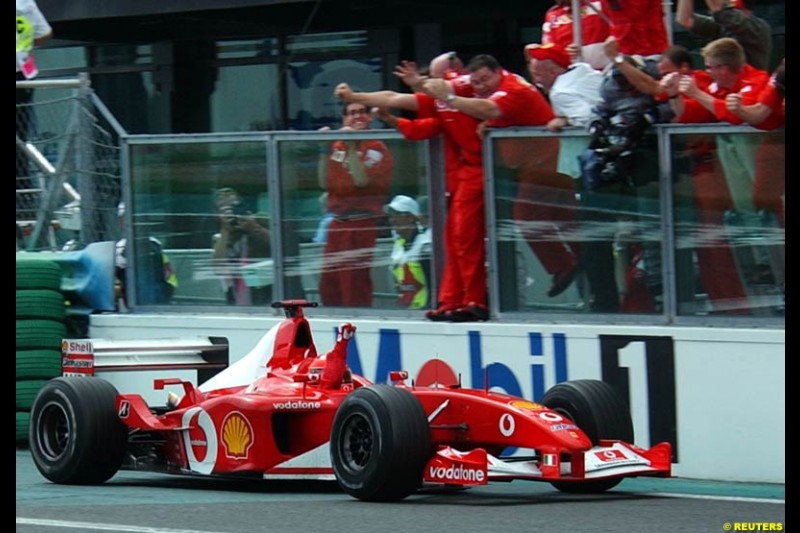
(385, 440)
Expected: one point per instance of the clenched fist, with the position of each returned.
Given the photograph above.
(347, 330)
(343, 92)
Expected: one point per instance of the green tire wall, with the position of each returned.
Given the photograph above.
(41, 324)
(40, 304)
(38, 274)
(38, 364)
(34, 334)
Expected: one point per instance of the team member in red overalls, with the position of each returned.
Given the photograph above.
(503, 99)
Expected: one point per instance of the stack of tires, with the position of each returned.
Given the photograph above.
(41, 315)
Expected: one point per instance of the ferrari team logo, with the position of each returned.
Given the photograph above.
(237, 435)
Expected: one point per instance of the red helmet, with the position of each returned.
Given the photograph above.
(316, 369)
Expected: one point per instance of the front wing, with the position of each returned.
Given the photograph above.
(610, 459)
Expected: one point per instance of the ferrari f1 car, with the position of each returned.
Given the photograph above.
(385, 441)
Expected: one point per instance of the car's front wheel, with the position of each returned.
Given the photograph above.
(75, 434)
(380, 443)
(596, 408)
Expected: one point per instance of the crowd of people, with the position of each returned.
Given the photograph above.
(619, 80)
(614, 80)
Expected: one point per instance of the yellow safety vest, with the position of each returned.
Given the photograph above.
(409, 276)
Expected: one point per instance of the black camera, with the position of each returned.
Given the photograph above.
(235, 212)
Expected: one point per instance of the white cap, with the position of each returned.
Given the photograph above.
(402, 204)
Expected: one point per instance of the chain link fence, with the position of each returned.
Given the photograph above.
(68, 166)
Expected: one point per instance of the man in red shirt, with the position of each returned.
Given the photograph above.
(725, 63)
(766, 111)
(769, 187)
(703, 99)
(357, 175)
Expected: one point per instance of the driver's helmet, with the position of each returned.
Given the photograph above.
(315, 370)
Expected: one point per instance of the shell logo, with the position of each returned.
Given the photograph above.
(237, 435)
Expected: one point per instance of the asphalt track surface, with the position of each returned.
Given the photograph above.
(142, 502)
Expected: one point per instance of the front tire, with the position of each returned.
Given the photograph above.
(380, 443)
(75, 434)
(596, 408)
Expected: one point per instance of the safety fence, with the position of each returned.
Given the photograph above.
(696, 235)
(67, 166)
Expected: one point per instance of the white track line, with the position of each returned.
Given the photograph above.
(105, 527)
(716, 498)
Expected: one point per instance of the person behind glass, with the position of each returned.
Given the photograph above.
(357, 175)
(241, 240)
(156, 279)
(612, 170)
(716, 264)
(32, 31)
(411, 253)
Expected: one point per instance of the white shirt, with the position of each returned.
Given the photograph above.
(575, 93)
(31, 25)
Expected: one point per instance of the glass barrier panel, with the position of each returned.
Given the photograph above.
(201, 223)
(730, 230)
(344, 243)
(573, 238)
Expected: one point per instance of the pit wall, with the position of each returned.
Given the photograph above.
(717, 394)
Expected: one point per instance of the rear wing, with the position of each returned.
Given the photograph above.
(88, 357)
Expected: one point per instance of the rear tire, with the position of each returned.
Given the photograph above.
(380, 443)
(76, 436)
(596, 408)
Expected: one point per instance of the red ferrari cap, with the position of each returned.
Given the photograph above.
(554, 52)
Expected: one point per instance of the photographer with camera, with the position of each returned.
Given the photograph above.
(613, 172)
(242, 240)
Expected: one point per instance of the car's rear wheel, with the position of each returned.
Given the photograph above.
(76, 436)
(380, 443)
(596, 408)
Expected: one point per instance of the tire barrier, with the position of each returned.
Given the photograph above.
(40, 326)
(40, 304)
